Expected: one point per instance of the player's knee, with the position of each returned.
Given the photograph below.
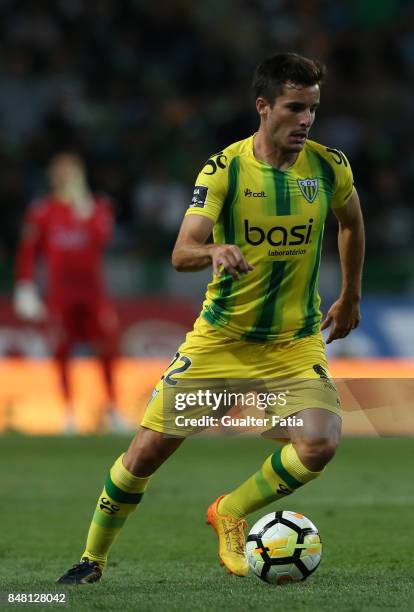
(148, 450)
(316, 453)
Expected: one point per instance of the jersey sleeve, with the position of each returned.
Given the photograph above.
(210, 189)
(344, 180)
(102, 221)
(30, 242)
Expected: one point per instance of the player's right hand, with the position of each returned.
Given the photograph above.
(27, 303)
(231, 259)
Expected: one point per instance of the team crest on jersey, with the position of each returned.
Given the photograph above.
(309, 188)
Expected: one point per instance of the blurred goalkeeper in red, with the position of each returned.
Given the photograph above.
(69, 228)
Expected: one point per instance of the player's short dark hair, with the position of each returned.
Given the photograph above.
(274, 72)
(67, 155)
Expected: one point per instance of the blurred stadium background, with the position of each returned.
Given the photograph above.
(146, 91)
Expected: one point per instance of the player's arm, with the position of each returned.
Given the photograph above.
(192, 253)
(26, 301)
(344, 315)
(101, 221)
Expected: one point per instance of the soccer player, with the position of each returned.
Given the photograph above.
(265, 199)
(70, 228)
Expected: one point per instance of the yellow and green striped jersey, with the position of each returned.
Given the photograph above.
(277, 219)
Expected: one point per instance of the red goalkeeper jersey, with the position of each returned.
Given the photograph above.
(72, 247)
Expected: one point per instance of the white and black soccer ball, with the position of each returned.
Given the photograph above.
(283, 547)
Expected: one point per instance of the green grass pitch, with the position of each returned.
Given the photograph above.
(166, 558)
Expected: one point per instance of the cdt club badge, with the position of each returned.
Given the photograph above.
(199, 196)
(309, 188)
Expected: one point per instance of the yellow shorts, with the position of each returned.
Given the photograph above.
(278, 379)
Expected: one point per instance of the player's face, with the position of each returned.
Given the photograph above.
(63, 171)
(288, 121)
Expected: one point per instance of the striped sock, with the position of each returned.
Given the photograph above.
(120, 496)
(281, 474)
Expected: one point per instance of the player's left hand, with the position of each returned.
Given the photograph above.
(343, 316)
(27, 303)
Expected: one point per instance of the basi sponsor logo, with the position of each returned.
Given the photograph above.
(278, 235)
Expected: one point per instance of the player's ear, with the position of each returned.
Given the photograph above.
(262, 107)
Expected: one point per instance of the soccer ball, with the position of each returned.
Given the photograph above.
(283, 547)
